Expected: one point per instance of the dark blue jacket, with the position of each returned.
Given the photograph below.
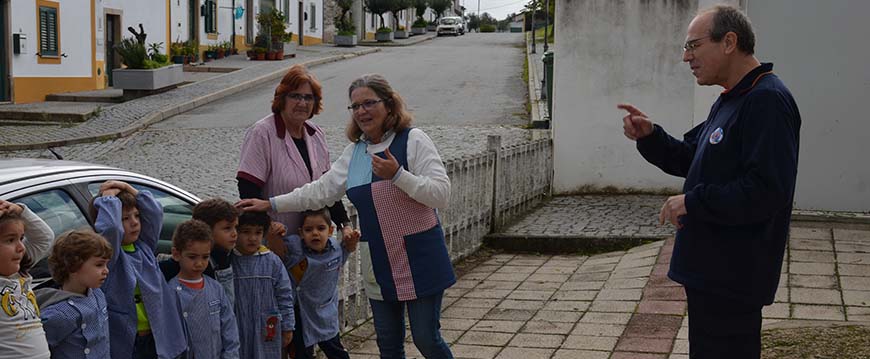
(740, 167)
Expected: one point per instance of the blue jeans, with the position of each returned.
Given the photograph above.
(425, 317)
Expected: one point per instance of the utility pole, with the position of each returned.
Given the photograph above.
(534, 8)
(478, 15)
(546, 25)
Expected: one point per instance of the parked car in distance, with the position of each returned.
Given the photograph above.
(59, 192)
(450, 25)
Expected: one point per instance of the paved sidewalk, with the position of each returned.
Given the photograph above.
(413, 40)
(621, 304)
(124, 119)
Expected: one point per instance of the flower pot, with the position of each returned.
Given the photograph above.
(261, 56)
(345, 40)
(418, 30)
(279, 55)
(384, 36)
(220, 54)
(177, 59)
(147, 79)
(431, 27)
(401, 34)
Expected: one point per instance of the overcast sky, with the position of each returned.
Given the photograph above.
(499, 9)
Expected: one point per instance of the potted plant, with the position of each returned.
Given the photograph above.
(397, 6)
(384, 34)
(346, 30)
(419, 26)
(177, 50)
(144, 71)
(273, 33)
(380, 7)
(260, 52)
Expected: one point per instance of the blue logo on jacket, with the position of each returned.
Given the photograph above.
(717, 136)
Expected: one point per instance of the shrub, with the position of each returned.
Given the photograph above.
(384, 30)
(420, 23)
(133, 53)
(487, 28)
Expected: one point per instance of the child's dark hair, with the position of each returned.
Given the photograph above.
(322, 213)
(259, 219)
(214, 210)
(190, 231)
(72, 249)
(128, 200)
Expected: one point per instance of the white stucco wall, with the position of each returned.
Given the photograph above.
(609, 52)
(151, 14)
(819, 50)
(74, 40)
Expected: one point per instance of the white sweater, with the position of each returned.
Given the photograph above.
(425, 180)
(21, 334)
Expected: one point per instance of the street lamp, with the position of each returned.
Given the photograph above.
(546, 24)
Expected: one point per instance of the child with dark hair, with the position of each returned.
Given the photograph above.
(264, 297)
(314, 260)
(222, 218)
(143, 311)
(22, 233)
(210, 325)
(75, 317)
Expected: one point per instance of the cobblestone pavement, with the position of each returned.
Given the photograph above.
(118, 117)
(595, 216)
(621, 304)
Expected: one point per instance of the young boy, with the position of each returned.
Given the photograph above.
(223, 218)
(75, 318)
(264, 298)
(22, 233)
(143, 311)
(205, 309)
(314, 262)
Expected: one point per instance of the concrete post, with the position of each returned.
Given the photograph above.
(493, 144)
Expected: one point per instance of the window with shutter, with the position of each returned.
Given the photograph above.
(47, 31)
(313, 18)
(210, 16)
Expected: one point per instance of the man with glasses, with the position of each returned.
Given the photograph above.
(740, 167)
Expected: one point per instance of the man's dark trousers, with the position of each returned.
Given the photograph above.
(720, 327)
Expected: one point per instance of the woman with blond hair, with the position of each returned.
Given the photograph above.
(395, 178)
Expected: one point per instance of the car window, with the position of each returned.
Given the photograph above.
(57, 209)
(448, 21)
(175, 211)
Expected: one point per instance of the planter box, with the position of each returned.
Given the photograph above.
(153, 79)
(401, 34)
(431, 27)
(345, 40)
(289, 49)
(384, 36)
(418, 30)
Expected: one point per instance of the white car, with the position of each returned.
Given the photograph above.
(451, 25)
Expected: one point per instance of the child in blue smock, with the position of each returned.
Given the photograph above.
(264, 297)
(314, 262)
(143, 311)
(206, 310)
(75, 317)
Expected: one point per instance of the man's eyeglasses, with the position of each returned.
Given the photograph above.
(367, 105)
(693, 44)
(298, 97)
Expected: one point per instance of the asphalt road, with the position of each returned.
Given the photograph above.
(473, 79)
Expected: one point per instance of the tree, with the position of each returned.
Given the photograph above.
(439, 6)
(395, 7)
(379, 7)
(473, 22)
(420, 8)
(342, 23)
(487, 19)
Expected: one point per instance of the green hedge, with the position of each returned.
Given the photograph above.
(487, 28)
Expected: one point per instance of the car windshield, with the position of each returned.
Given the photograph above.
(448, 21)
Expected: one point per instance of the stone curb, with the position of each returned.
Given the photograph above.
(835, 217)
(533, 79)
(565, 243)
(156, 117)
(397, 44)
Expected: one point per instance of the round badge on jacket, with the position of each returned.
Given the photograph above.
(717, 136)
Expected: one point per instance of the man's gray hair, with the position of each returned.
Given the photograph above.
(730, 19)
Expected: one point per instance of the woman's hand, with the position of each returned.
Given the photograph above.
(253, 205)
(385, 168)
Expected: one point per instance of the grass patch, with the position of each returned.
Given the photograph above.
(840, 342)
(539, 33)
